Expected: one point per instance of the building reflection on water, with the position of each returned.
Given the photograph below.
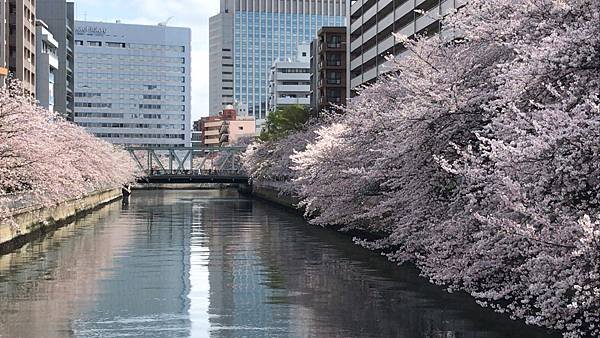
(272, 274)
(41, 284)
(212, 263)
(148, 294)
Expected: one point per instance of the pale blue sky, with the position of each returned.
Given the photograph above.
(186, 13)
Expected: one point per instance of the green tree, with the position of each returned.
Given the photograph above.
(284, 120)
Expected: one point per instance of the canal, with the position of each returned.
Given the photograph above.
(216, 264)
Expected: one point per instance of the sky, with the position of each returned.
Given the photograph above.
(186, 13)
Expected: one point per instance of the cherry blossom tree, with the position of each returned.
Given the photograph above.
(46, 160)
(476, 158)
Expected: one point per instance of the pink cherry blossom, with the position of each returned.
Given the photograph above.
(45, 160)
(477, 158)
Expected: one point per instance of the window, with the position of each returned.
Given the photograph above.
(150, 106)
(115, 44)
(93, 105)
(294, 70)
(95, 43)
(78, 43)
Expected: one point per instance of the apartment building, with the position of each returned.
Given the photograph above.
(247, 36)
(328, 70)
(59, 17)
(46, 65)
(20, 41)
(224, 129)
(372, 23)
(289, 81)
(132, 83)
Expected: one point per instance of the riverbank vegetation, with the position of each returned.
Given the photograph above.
(45, 159)
(478, 156)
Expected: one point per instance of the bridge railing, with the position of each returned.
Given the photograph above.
(213, 161)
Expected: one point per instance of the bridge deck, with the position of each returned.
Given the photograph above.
(235, 179)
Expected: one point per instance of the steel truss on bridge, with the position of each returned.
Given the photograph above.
(190, 165)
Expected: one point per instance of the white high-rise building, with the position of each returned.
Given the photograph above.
(132, 83)
(289, 82)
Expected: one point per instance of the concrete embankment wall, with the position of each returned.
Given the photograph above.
(273, 195)
(31, 221)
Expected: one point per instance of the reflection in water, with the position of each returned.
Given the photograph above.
(212, 263)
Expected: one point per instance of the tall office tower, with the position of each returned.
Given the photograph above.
(21, 42)
(289, 81)
(372, 24)
(263, 31)
(46, 65)
(132, 83)
(221, 60)
(328, 69)
(60, 18)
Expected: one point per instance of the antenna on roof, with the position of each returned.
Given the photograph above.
(164, 23)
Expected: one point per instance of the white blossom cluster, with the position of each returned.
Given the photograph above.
(477, 158)
(46, 160)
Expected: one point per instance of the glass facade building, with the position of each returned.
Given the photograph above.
(133, 83)
(265, 31)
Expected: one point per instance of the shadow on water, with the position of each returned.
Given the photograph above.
(213, 263)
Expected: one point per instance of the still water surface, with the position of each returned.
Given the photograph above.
(215, 264)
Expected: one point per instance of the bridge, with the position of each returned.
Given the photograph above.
(189, 165)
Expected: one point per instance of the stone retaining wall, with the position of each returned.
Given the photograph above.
(32, 220)
(274, 196)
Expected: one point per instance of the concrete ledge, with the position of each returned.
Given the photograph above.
(274, 196)
(33, 221)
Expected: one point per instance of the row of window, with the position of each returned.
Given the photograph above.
(130, 106)
(131, 125)
(153, 145)
(140, 46)
(129, 87)
(123, 135)
(93, 105)
(136, 59)
(160, 106)
(158, 116)
(123, 96)
(178, 117)
(124, 68)
(293, 70)
(131, 77)
(78, 94)
(152, 106)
